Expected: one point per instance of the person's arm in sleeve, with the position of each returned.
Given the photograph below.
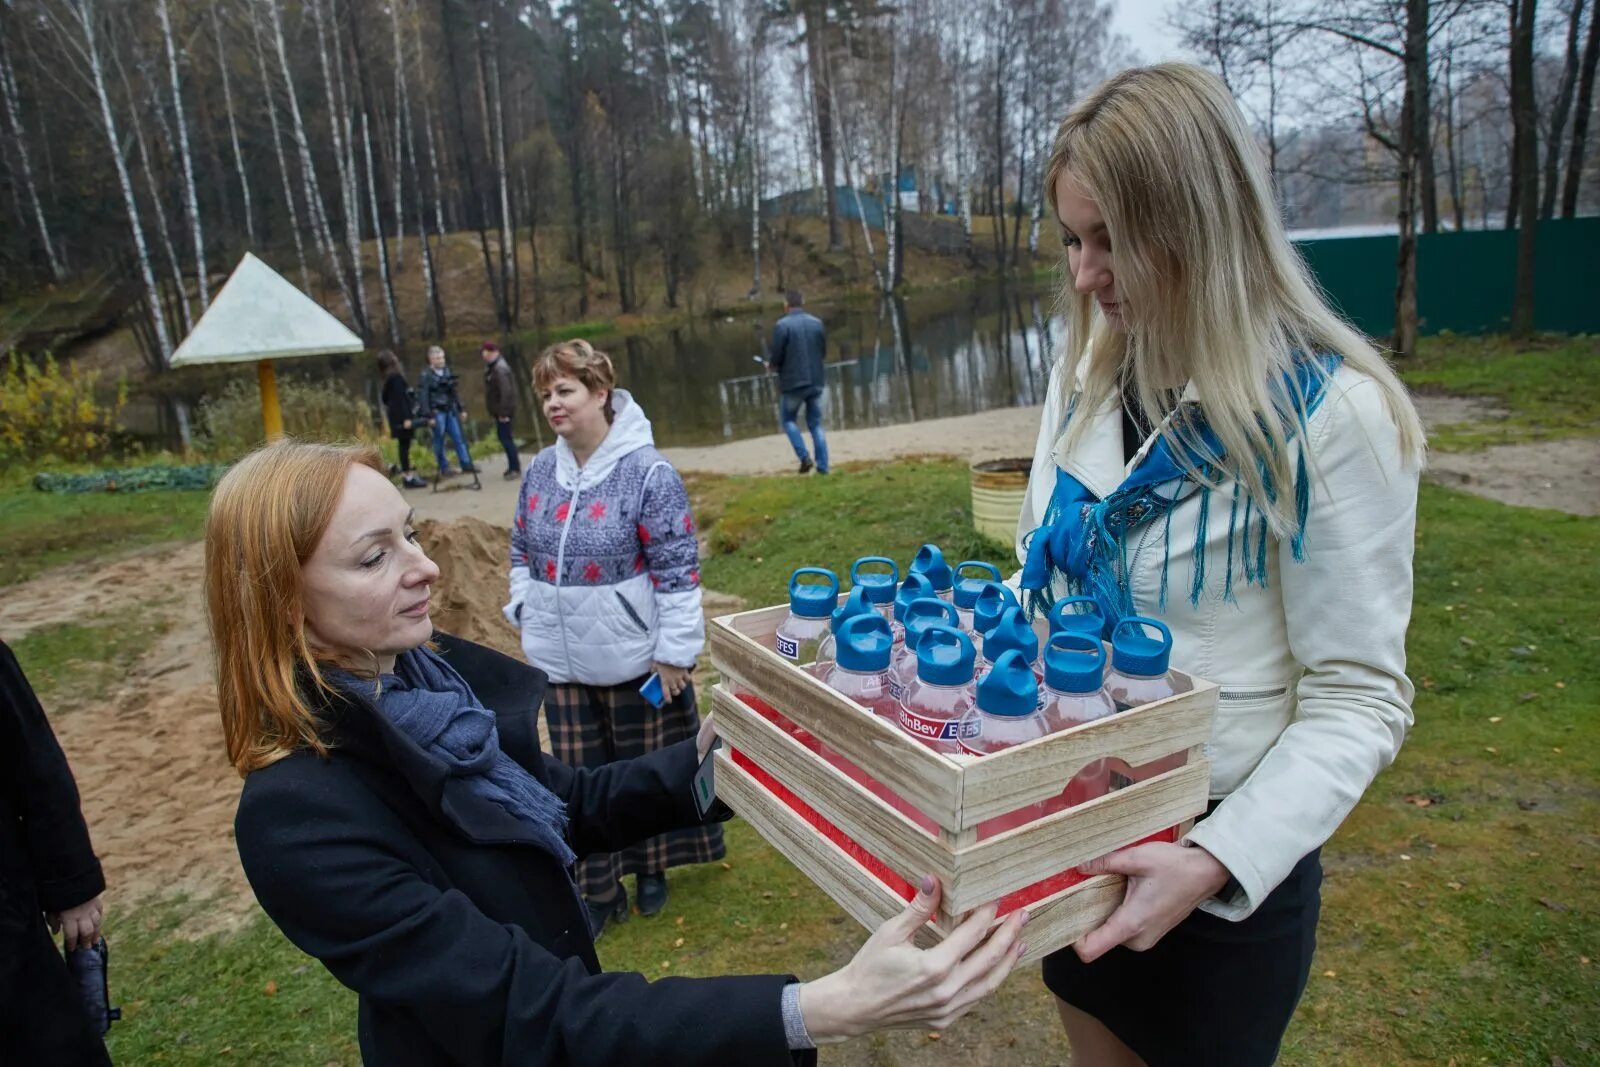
(66, 872)
(672, 557)
(627, 801)
(778, 347)
(342, 888)
(425, 394)
(1347, 606)
(519, 577)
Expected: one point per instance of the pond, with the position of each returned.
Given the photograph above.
(951, 351)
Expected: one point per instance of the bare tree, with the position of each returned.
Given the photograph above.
(233, 127)
(1580, 120)
(1524, 116)
(1558, 113)
(191, 199)
(13, 110)
(267, 100)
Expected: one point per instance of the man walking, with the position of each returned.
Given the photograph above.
(500, 395)
(440, 399)
(795, 354)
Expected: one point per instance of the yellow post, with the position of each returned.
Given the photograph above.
(271, 416)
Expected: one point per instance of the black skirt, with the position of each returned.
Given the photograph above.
(1211, 991)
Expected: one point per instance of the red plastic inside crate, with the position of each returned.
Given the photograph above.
(1023, 897)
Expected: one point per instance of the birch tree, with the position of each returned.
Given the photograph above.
(240, 172)
(190, 199)
(268, 101)
(13, 112)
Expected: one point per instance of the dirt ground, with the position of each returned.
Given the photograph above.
(149, 759)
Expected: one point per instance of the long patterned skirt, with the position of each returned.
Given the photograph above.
(592, 725)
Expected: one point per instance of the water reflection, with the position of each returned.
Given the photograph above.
(954, 351)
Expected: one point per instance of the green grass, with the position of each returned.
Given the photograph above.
(45, 530)
(1549, 386)
(71, 664)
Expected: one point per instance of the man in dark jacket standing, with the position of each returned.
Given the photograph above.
(48, 874)
(440, 401)
(500, 395)
(795, 354)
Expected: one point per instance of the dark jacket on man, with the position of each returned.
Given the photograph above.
(798, 346)
(439, 391)
(500, 390)
(397, 401)
(46, 865)
(468, 943)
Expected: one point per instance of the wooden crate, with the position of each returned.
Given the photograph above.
(957, 795)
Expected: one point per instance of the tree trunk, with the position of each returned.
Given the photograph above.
(1405, 293)
(363, 104)
(344, 156)
(174, 265)
(308, 177)
(1558, 115)
(754, 126)
(466, 162)
(277, 148)
(191, 200)
(963, 173)
(1452, 154)
(815, 14)
(233, 127)
(1418, 17)
(1580, 120)
(1524, 116)
(84, 12)
(508, 249)
(8, 88)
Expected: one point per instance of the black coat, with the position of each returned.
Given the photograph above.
(796, 351)
(397, 403)
(467, 943)
(46, 864)
(439, 391)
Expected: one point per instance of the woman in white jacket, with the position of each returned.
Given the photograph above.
(1220, 451)
(605, 587)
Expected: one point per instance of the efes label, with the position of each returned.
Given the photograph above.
(788, 648)
(934, 729)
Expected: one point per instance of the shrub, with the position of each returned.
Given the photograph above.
(230, 421)
(47, 412)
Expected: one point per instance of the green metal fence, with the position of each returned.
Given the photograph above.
(1465, 280)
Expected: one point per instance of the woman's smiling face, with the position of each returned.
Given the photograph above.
(365, 588)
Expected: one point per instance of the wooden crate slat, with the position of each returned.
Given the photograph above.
(850, 885)
(1018, 858)
(1038, 770)
(913, 771)
(904, 847)
(1054, 923)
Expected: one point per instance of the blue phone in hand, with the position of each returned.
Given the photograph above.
(651, 690)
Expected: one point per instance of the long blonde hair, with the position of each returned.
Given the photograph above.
(266, 517)
(1210, 288)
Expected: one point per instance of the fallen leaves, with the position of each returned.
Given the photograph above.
(1553, 905)
(271, 989)
(1330, 974)
(1526, 697)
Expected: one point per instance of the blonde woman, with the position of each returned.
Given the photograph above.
(399, 822)
(1220, 451)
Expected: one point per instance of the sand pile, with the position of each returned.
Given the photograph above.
(474, 558)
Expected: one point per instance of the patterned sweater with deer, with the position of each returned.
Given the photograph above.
(605, 568)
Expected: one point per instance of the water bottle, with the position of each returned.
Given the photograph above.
(1074, 693)
(811, 607)
(879, 587)
(1012, 633)
(854, 604)
(1141, 674)
(988, 609)
(929, 563)
(942, 693)
(915, 587)
(1007, 714)
(919, 615)
(1077, 614)
(860, 668)
(965, 593)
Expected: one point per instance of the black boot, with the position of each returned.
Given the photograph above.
(805, 465)
(652, 893)
(614, 910)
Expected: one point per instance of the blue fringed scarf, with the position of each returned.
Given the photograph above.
(1085, 539)
(433, 705)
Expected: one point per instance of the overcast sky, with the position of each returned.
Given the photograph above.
(1144, 23)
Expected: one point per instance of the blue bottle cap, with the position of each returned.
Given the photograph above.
(854, 604)
(880, 587)
(925, 612)
(1134, 652)
(1074, 662)
(1009, 688)
(1012, 633)
(967, 589)
(865, 643)
(945, 656)
(931, 565)
(987, 610)
(915, 587)
(1066, 615)
(813, 600)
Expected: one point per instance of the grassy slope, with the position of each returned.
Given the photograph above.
(44, 530)
(1549, 386)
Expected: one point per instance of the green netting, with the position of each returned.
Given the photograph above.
(132, 479)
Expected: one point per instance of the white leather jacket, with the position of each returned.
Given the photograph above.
(1314, 700)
